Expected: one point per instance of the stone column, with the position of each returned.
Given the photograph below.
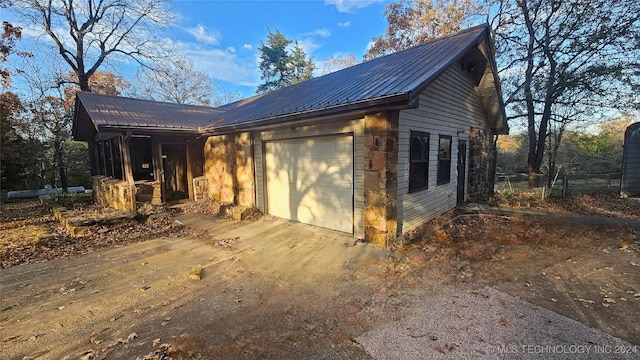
(229, 168)
(481, 164)
(381, 177)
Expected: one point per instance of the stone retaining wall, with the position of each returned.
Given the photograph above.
(114, 193)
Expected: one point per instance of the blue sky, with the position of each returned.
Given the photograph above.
(222, 37)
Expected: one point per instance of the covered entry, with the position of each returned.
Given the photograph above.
(174, 171)
(311, 180)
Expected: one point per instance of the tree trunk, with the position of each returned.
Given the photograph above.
(83, 81)
(60, 165)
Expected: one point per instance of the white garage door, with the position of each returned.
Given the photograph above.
(311, 180)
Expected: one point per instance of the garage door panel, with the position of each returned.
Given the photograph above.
(311, 181)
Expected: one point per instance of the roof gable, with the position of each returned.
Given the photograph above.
(396, 78)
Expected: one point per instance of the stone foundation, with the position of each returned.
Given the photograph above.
(114, 193)
(381, 177)
(200, 188)
(149, 192)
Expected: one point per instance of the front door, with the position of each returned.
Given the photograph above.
(462, 170)
(174, 168)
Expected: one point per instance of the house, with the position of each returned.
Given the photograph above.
(373, 150)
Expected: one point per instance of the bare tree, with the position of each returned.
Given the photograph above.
(50, 108)
(177, 83)
(564, 61)
(87, 32)
(338, 63)
(180, 83)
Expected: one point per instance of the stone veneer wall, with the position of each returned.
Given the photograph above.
(200, 188)
(229, 168)
(481, 164)
(381, 177)
(114, 193)
(149, 192)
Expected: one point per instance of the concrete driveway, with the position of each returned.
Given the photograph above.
(270, 289)
(267, 289)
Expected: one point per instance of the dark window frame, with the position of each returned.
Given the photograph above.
(419, 160)
(444, 159)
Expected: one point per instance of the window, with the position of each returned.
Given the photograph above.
(444, 159)
(109, 160)
(418, 161)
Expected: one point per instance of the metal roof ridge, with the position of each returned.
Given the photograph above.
(89, 93)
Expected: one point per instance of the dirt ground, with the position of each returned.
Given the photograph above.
(275, 290)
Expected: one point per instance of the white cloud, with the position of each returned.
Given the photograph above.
(319, 32)
(204, 35)
(222, 64)
(231, 49)
(247, 46)
(308, 45)
(344, 24)
(348, 6)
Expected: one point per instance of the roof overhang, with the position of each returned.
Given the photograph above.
(395, 102)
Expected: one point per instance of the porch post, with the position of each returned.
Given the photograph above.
(189, 169)
(126, 157)
(158, 171)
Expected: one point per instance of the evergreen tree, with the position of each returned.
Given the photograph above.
(281, 67)
(301, 66)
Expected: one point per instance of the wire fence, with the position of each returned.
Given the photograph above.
(562, 186)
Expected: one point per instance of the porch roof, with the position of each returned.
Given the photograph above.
(97, 113)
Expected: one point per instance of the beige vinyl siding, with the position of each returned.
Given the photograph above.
(449, 106)
(347, 126)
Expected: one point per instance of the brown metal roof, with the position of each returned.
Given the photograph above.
(115, 112)
(395, 79)
(392, 81)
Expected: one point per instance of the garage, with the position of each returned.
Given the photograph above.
(310, 180)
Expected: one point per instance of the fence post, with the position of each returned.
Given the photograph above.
(565, 186)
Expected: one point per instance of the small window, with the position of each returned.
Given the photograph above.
(444, 159)
(419, 161)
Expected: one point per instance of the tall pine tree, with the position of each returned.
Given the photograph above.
(280, 66)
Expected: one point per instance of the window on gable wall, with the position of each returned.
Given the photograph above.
(418, 161)
(444, 159)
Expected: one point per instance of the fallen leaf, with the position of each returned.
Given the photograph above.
(156, 342)
(609, 300)
(9, 338)
(439, 349)
(132, 336)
